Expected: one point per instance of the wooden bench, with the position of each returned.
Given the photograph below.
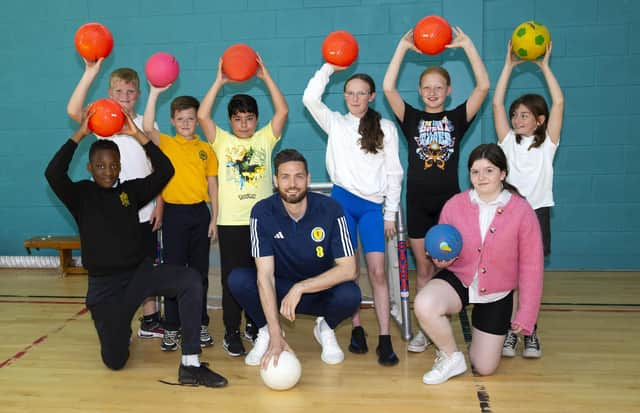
(64, 245)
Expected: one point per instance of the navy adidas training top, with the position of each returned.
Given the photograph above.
(305, 248)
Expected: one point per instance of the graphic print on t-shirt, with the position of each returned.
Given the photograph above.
(244, 165)
(435, 142)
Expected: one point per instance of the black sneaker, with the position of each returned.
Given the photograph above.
(250, 332)
(510, 344)
(151, 329)
(200, 376)
(532, 348)
(233, 344)
(358, 344)
(386, 355)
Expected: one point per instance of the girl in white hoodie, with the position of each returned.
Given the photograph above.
(363, 164)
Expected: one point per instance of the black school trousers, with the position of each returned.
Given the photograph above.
(114, 299)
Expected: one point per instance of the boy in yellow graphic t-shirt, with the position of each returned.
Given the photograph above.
(244, 178)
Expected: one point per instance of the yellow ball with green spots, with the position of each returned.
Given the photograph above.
(529, 40)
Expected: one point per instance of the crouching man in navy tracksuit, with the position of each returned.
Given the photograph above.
(305, 264)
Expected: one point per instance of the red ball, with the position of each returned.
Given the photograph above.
(107, 118)
(93, 41)
(161, 69)
(432, 34)
(340, 48)
(239, 62)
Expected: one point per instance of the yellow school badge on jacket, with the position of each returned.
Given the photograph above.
(124, 199)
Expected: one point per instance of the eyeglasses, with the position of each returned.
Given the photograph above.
(356, 94)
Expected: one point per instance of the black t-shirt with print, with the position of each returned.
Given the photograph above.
(434, 148)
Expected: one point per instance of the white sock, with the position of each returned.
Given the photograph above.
(191, 360)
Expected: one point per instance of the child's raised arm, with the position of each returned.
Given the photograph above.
(149, 118)
(83, 130)
(312, 95)
(76, 101)
(556, 112)
(391, 76)
(281, 109)
(205, 119)
(479, 93)
(500, 116)
(131, 129)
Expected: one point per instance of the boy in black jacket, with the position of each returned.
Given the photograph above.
(120, 274)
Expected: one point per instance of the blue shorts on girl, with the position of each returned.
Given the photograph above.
(363, 217)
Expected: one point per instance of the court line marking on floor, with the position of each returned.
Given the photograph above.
(39, 302)
(481, 390)
(40, 296)
(42, 339)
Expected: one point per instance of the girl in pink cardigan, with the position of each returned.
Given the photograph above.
(501, 252)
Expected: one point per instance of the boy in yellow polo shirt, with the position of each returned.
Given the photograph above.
(188, 227)
(245, 177)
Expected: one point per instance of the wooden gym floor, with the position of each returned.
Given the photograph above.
(589, 328)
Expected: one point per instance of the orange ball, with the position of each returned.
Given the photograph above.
(432, 34)
(93, 41)
(340, 48)
(239, 62)
(107, 118)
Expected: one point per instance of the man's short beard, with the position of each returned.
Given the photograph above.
(292, 200)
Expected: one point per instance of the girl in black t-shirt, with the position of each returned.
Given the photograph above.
(433, 137)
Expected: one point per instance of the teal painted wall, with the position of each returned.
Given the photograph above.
(595, 60)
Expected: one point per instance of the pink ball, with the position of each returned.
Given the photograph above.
(161, 69)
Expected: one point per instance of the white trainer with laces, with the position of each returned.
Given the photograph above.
(418, 343)
(445, 367)
(260, 347)
(331, 352)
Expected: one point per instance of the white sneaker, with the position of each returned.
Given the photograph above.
(331, 352)
(418, 343)
(445, 367)
(260, 347)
